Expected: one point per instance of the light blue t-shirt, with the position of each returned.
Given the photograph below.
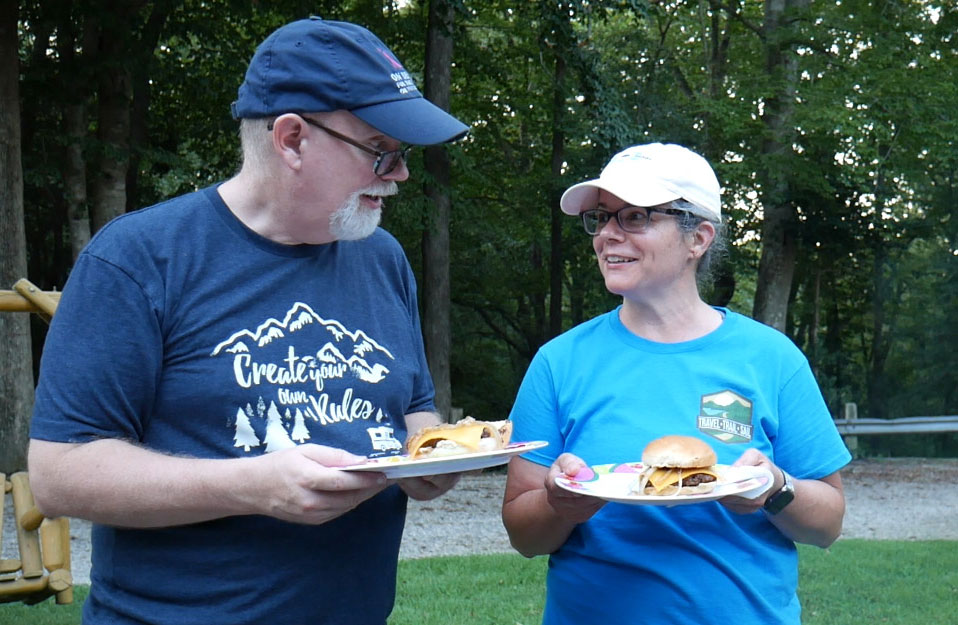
(602, 393)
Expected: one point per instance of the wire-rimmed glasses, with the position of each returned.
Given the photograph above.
(634, 219)
(386, 161)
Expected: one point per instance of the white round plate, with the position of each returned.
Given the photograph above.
(613, 482)
(396, 467)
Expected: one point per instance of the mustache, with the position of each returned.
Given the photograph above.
(382, 189)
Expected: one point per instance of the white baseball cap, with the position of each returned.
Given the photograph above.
(650, 175)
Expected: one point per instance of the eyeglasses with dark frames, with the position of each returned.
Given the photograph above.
(385, 162)
(634, 219)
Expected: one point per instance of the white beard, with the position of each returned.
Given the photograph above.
(351, 222)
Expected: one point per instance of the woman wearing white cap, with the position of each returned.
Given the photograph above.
(667, 363)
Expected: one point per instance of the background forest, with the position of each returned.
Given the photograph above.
(831, 124)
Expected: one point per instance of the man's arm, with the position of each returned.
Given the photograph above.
(429, 486)
(118, 483)
(415, 421)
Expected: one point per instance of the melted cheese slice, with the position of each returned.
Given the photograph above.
(663, 478)
(468, 436)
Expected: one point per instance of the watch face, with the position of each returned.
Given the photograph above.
(777, 502)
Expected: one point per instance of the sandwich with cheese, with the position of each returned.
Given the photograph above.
(452, 439)
(677, 465)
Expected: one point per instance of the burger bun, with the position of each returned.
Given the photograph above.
(679, 452)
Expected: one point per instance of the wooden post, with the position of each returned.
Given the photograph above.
(55, 543)
(34, 590)
(4, 488)
(44, 304)
(29, 541)
(851, 415)
(64, 595)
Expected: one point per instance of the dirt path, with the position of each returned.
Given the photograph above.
(899, 499)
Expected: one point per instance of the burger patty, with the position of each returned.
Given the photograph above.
(696, 479)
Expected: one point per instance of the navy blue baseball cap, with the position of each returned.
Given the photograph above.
(315, 66)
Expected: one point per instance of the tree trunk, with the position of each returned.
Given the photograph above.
(74, 177)
(437, 332)
(882, 329)
(74, 82)
(776, 267)
(143, 69)
(777, 264)
(816, 315)
(113, 119)
(556, 216)
(16, 360)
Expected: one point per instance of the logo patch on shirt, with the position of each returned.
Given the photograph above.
(726, 416)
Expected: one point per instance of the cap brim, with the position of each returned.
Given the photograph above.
(585, 195)
(416, 121)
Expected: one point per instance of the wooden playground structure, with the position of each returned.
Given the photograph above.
(43, 567)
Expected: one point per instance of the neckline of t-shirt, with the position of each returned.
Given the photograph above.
(633, 340)
(261, 242)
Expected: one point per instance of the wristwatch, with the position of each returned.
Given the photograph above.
(777, 501)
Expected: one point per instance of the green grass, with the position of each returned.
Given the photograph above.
(461, 589)
(45, 613)
(859, 581)
(856, 581)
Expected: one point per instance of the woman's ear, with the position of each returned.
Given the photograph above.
(701, 239)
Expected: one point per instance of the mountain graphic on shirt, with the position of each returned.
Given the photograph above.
(354, 349)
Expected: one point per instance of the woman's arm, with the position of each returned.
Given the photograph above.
(537, 514)
(815, 514)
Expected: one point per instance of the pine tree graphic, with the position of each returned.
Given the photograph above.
(276, 435)
(245, 437)
(300, 431)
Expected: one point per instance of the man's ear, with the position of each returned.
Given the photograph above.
(288, 135)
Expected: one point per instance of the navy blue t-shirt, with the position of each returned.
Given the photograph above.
(182, 330)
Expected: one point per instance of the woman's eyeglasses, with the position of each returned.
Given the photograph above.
(634, 219)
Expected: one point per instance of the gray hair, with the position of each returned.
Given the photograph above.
(256, 142)
(687, 222)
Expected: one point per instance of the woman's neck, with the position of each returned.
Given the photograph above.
(672, 321)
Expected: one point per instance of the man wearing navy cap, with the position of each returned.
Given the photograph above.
(215, 357)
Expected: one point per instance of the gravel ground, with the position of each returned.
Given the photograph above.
(899, 499)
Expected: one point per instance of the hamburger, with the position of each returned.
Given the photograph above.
(677, 465)
(465, 436)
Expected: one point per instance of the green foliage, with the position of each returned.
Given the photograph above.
(871, 172)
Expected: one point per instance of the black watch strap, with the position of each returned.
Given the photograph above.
(777, 501)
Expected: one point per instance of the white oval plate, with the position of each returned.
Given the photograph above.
(396, 467)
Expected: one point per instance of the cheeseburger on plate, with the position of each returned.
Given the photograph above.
(677, 465)
(463, 437)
